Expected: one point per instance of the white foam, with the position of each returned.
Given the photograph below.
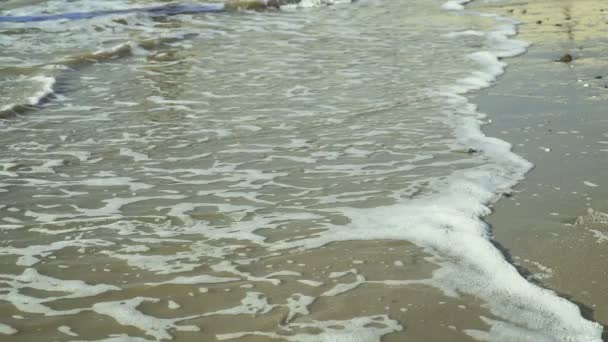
(253, 303)
(30, 278)
(31, 255)
(46, 90)
(446, 222)
(118, 338)
(125, 313)
(7, 329)
(465, 33)
(182, 261)
(340, 274)
(600, 236)
(137, 156)
(66, 330)
(455, 5)
(298, 305)
(227, 266)
(283, 273)
(358, 329)
(310, 282)
(173, 305)
(315, 3)
(341, 288)
(200, 279)
(55, 7)
(545, 272)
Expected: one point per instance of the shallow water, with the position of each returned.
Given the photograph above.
(255, 175)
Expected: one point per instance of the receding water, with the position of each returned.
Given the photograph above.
(251, 176)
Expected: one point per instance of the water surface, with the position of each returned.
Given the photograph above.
(249, 176)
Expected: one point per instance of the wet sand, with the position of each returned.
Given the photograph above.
(555, 114)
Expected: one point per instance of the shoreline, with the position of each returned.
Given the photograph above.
(554, 115)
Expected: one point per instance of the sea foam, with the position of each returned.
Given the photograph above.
(445, 221)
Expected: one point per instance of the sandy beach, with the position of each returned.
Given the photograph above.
(554, 225)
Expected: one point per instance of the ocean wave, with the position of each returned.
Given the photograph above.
(42, 87)
(167, 9)
(117, 51)
(170, 9)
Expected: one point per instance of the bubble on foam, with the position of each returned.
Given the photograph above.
(358, 329)
(125, 313)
